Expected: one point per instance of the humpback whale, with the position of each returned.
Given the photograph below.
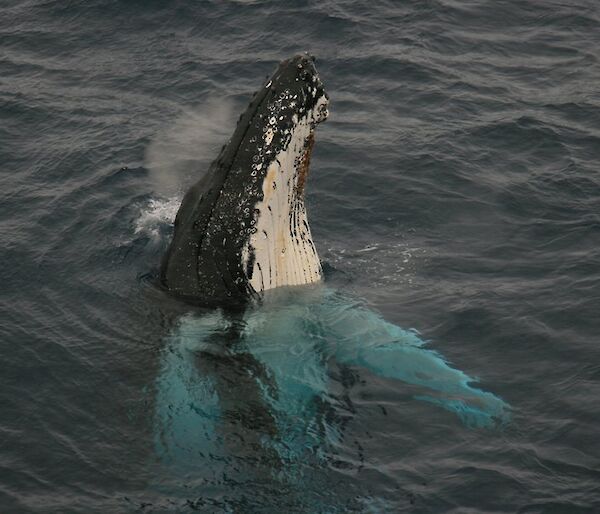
(242, 229)
(241, 237)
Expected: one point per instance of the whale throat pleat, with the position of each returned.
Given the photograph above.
(281, 252)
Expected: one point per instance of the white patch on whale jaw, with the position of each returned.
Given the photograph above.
(281, 252)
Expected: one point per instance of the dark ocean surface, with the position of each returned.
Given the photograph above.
(455, 189)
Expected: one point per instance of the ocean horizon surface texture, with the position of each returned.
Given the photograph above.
(454, 193)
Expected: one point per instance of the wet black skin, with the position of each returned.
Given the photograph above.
(203, 263)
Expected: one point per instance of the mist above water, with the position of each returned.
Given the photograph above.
(181, 151)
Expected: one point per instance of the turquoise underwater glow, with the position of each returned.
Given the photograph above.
(266, 375)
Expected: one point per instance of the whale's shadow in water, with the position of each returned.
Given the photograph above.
(252, 390)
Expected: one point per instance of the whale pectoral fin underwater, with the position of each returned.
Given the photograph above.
(362, 338)
(187, 409)
(210, 390)
(299, 336)
(447, 387)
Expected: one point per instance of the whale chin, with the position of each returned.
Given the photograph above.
(243, 229)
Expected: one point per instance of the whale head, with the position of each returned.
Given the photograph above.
(242, 229)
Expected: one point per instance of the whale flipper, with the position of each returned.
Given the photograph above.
(187, 408)
(364, 339)
(337, 327)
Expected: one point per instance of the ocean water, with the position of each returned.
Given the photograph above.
(454, 190)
